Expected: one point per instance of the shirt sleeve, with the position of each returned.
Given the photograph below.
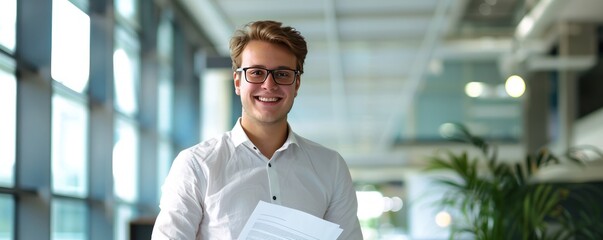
(182, 194)
(343, 207)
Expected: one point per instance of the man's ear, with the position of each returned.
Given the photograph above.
(237, 83)
(297, 84)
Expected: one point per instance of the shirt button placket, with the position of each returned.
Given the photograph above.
(273, 180)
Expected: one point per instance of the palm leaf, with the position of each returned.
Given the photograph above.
(500, 202)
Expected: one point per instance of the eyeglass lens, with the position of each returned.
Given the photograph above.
(280, 76)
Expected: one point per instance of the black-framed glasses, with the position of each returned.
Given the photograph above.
(259, 75)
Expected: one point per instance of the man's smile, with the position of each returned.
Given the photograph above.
(268, 99)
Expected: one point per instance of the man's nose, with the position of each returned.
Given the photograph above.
(269, 83)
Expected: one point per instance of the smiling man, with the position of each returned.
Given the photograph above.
(213, 187)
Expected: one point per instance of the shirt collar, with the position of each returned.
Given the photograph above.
(239, 136)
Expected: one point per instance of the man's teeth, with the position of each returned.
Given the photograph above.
(265, 99)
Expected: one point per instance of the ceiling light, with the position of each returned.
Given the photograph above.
(515, 86)
(397, 204)
(387, 204)
(474, 89)
(448, 130)
(370, 204)
(443, 219)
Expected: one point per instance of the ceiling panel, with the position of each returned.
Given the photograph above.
(370, 63)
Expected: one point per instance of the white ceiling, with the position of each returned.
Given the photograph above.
(368, 60)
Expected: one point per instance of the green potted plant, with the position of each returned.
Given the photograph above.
(494, 199)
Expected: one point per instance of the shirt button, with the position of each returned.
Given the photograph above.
(269, 165)
(273, 197)
(254, 148)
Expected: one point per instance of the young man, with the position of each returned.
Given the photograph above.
(213, 187)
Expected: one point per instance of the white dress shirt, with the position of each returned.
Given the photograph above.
(213, 187)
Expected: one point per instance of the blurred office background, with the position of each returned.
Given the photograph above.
(98, 96)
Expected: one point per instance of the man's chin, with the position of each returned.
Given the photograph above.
(270, 120)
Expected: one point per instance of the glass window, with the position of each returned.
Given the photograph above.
(164, 99)
(125, 160)
(7, 213)
(164, 113)
(69, 145)
(126, 70)
(70, 45)
(8, 121)
(165, 35)
(82, 4)
(127, 10)
(8, 23)
(124, 214)
(165, 157)
(164, 105)
(69, 220)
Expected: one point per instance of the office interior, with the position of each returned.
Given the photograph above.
(98, 96)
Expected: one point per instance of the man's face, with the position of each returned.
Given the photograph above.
(267, 102)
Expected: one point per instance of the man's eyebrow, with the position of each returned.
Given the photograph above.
(285, 67)
(279, 67)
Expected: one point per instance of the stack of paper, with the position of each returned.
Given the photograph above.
(274, 222)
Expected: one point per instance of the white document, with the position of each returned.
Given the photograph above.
(274, 222)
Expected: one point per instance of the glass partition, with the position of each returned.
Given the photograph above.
(8, 123)
(8, 24)
(126, 71)
(70, 45)
(69, 220)
(69, 145)
(7, 217)
(125, 160)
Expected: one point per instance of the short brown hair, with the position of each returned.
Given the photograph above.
(272, 32)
